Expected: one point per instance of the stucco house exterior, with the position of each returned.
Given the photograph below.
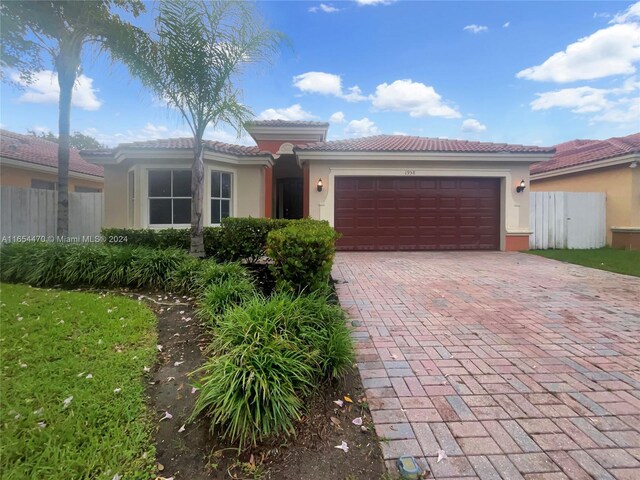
(32, 162)
(611, 166)
(386, 192)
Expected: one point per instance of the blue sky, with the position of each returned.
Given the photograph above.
(517, 72)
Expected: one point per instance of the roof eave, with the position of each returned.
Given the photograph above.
(582, 167)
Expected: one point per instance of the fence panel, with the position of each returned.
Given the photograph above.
(32, 212)
(567, 220)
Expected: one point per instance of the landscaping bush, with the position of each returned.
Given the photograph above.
(217, 297)
(302, 254)
(131, 237)
(44, 264)
(242, 238)
(245, 238)
(153, 268)
(268, 355)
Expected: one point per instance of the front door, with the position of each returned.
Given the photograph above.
(289, 199)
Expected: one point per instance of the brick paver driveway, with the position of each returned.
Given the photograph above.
(515, 365)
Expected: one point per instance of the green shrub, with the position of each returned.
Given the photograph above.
(302, 254)
(268, 355)
(185, 276)
(165, 238)
(245, 238)
(36, 263)
(251, 393)
(237, 239)
(217, 297)
(153, 268)
(82, 265)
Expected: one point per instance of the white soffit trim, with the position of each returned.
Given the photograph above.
(608, 162)
(179, 154)
(48, 169)
(309, 134)
(423, 156)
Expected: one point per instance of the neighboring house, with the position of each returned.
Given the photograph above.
(387, 192)
(32, 162)
(611, 166)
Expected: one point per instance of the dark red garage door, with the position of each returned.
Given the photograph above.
(417, 213)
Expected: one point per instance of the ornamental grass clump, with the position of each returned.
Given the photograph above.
(268, 356)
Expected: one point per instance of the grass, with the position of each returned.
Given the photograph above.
(80, 348)
(609, 259)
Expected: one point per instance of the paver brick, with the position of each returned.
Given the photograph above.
(477, 352)
(533, 462)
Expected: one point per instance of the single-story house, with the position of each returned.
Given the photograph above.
(386, 192)
(31, 162)
(611, 166)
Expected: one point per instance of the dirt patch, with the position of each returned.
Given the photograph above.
(195, 454)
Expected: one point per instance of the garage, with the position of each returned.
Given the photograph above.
(417, 213)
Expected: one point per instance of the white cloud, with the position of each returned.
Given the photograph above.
(294, 112)
(404, 134)
(337, 117)
(45, 89)
(326, 84)
(626, 112)
(361, 128)
(473, 125)
(473, 28)
(614, 105)
(609, 51)
(579, 100)
(416, 98)
(506, 25)
(323, 7)
(601, 15)
(374, 2)
(155, 132)
(631, 13)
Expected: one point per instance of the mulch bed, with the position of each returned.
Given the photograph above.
(195, 453)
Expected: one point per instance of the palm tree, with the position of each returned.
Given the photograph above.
(61, 29)
(193, 61)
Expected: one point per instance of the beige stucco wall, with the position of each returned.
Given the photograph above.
(21, 177)
(115, 197)
(620, 183)
(514, 206)
(247, 190)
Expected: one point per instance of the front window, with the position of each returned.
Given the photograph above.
(220, 196)
(169, 197)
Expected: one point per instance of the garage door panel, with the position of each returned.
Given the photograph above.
(417, 213)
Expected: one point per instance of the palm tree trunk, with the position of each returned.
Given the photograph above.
(197, 190)
(66, 80)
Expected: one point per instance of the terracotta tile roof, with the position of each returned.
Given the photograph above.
(185, 143)
(30, 149)
(578, 152)
(286, 123)
(403, 143)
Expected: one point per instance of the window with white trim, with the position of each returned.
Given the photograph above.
(169, 197)
(220, 196)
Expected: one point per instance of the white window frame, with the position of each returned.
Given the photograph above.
(149, 198)
(232, 188)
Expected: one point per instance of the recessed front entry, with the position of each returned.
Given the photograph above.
(417, 213)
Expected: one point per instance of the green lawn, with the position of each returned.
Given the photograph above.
(610, 259)
(62, 347)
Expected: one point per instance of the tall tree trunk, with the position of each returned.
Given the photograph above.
(197, 189)
(67, 64)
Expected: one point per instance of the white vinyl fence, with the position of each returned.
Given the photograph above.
(567, 220)
(29, 212)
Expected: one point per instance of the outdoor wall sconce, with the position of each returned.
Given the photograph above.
(520, 188)
(319, 186)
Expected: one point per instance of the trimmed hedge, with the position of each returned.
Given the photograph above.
(237, 239)
(302, 254)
